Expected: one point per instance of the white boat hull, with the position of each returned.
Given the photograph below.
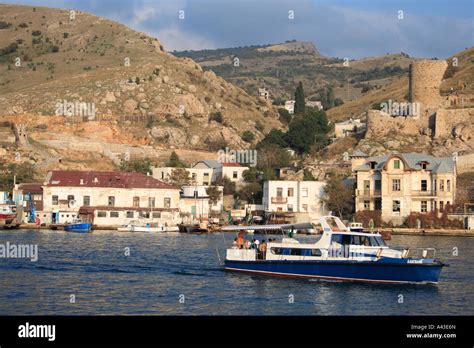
(132, 228)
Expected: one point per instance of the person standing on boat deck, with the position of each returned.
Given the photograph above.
(240, 240)
(263, 249)
(248, 245)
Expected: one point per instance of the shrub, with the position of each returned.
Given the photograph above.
(36, 33)
(248, 136)
(216, 116)
(366, 215)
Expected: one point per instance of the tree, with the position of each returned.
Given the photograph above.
(285, 116)
(214, 194)
(179, 177)
(252, 192)
(308, 176)
(304, 130)
(138, 166)
(300, 104)
(272, 156)
(229, 186)
(175, 161)
(338, 197)
(25, 172)
(275, 136)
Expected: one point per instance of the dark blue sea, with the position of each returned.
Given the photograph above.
(181, 275)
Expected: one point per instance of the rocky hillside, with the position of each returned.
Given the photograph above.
(280, 67)
(141, 94)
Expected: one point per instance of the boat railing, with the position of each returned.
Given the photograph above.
(423, 253)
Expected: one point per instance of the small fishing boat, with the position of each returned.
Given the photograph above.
(136, 226)
(7, 213)
(340, 255)
(78, 226)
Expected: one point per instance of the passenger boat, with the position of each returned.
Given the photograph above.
(78, 226)
(136, 226)
(338, 255)
(7, 213)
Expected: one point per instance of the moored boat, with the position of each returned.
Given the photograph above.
(7, 213)
(339, 254)
(135, 226)
(78, 226)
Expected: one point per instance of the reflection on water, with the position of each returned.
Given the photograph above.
(162, 270)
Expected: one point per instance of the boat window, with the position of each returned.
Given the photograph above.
(296, 252)
(356, 240)
(379, 241)
(336, 238)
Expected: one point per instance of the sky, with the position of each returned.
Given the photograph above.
(339, 28)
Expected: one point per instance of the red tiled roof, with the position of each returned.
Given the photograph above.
(231, 164)
(104, 179)
(31, 188)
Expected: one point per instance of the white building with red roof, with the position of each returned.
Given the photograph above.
(109, 198)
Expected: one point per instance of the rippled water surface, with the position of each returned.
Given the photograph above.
(162, 270)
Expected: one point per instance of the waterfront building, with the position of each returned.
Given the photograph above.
(398, 184)
(108, 198)
(302, 199)
(206, 172)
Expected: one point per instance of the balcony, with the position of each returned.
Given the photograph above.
(279, 200)
(424, 193)
(368, 193)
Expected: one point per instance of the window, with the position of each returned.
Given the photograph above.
(396, 206)
(130, 214)
(205, 180)
(304, 192)
(441, 206)
(448, 185)
(423, 166)
(156, 215)
(396, 185)
(366, 186)
(70, 198)
(424, 185)
(372, 165)
(102, 214)
(136, 201)
(194, 176)
(304, 207)
(290, 207)
(441, 185)
(144, 214)
(235, 175)
(86, 201)
(55, 200)
(378, 184)
(167, 202)
(151, 202)
(111, 201)
(279, 192)
(367, 205)
(296, 252)
(114, 214)
(424, 206)
(396, 164)
(290, 192)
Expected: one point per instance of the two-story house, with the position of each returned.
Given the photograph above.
(302, 198)
(398, 184)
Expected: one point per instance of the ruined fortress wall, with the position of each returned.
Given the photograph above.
(465, 163)
(380, 124)
(447, 119)
(424, 83)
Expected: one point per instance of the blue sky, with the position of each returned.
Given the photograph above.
(342, 28)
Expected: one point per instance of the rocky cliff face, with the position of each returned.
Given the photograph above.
(82, 67)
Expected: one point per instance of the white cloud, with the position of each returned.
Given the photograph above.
(174, 38)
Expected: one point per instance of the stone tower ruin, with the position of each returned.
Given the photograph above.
(424, 83)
